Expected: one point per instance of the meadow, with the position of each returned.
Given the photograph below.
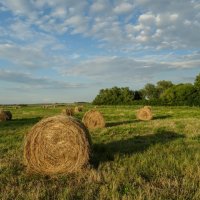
(131, 159)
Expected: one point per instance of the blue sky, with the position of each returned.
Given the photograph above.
(66, 50)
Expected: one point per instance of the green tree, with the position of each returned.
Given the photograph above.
(197, 82)
(114, 96)
(137, 95)
(181, 94)
(150, 91)
(197, 87)
(162, 86)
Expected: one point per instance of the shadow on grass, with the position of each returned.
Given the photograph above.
(106, 152)
(15, 123)
(162, 117)
(110, 124)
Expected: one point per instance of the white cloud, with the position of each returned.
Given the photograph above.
(18, 6)
(30, 57)
(97, 7)
(99, 26)
(113, 69)
(78, 23)
(74, 21)
(186, 64)
(75, 56)
(20, 30)
(147, 19)
(171, 18)
(29, 81)
(22, 56)
(142, 38)
(123, 8)
(59, 12)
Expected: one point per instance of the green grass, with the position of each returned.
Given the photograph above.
(158, 159)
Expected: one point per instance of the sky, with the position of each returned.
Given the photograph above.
(67, 50)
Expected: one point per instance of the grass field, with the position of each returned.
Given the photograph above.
(158, 159)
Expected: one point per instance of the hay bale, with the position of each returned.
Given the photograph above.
(144, 114)
(78, 109)
(68, 111)
(17, 107)
(57, 145)
(5, 115)
(93, 119)
(46, 106)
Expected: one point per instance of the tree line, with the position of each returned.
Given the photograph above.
(162, 93)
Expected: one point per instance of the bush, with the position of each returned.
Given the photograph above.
(114, 96)
(182, 94)
(163, 93)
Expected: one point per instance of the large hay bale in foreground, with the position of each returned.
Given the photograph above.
(78, 109)
(56, 145)
(144, 114)
(68, 111)
(5, 115)
(93, 119)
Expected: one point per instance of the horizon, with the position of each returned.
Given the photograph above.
(66, 51)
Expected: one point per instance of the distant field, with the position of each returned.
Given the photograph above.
(158, 159)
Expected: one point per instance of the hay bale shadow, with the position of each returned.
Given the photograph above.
(137, 144)
(15, 123)
(162, 117)
(111, 124)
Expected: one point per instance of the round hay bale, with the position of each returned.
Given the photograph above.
(144, 114)
(17, 107)
(93, 119)
(68, 111)
(5, 115)
(78, 109)
(57, 145)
